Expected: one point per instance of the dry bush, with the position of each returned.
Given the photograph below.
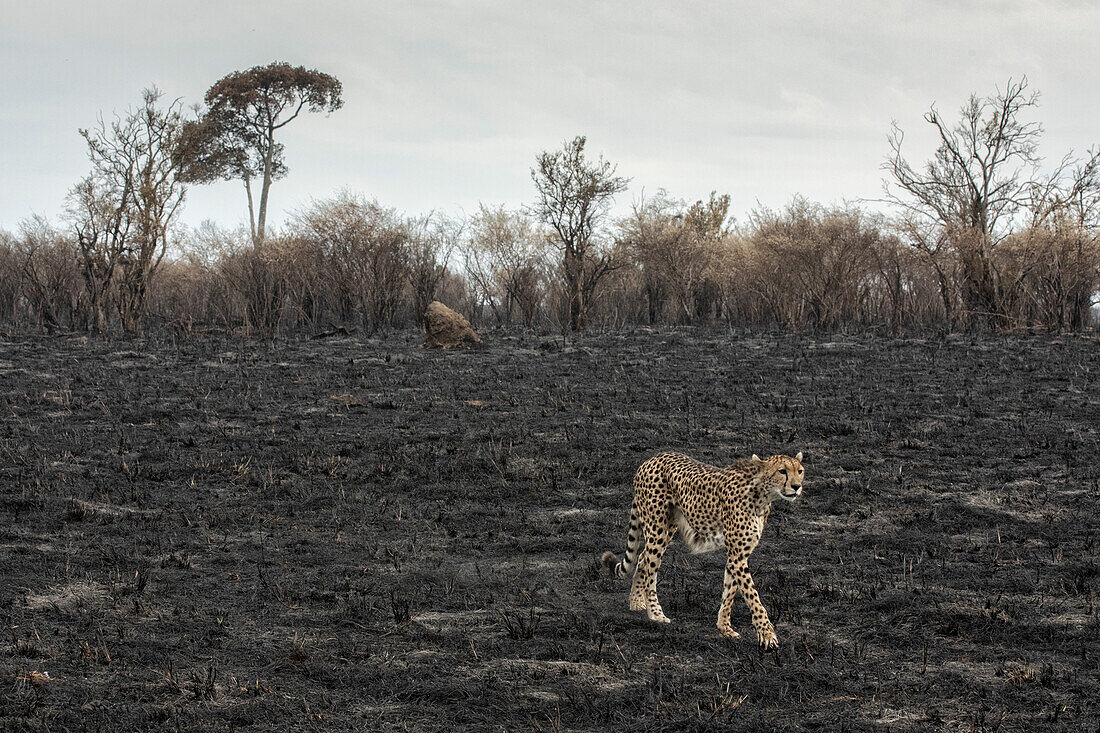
(185, 295)
(813, 264)
(1058, 269)
(624, 300)
(365, 248)
(904, 288)
(734, 271)
(507, 261)
(433, 240)
(454, 289)
(653, 239)
(681, 254)
(244, 283)
(309, 302)
(10, 291)
(48, 276)
(258, 274)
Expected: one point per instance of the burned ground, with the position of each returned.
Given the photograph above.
(363, 534)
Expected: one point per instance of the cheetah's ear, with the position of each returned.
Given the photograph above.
(756, 458)
(799, 457)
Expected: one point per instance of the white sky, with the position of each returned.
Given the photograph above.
(448, 103)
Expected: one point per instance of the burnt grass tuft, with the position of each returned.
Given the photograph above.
(361, 534)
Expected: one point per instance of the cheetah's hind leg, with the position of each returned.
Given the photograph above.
(651, 564)
(637, 592)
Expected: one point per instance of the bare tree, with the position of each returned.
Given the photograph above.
(123, 212)
(574, 197)
(969, 194)
(98, 215)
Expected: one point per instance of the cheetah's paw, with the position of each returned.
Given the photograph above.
(658, 616)
(767, 638)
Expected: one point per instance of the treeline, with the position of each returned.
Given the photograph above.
(978, 239)
(352, 262)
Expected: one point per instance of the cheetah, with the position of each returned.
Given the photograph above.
(712, 508)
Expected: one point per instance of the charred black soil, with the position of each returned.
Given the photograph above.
(362, 534)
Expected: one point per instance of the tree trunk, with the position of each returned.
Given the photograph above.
(100, 314)
(946, 297)
(576, 305)
(251, 209)
(266, 186)
(574, 288)
(651, 304)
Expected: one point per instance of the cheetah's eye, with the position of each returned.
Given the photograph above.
(783, 471)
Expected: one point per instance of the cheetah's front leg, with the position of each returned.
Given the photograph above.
(765, 632)
(729, 594)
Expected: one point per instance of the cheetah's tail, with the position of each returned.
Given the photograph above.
(622, 568)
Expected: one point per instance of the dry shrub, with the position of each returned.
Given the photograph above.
(1057, 268)
(813, 264)
(48, 275)
(365, 251)
(681, 255)
(10, 291)
(508, 263)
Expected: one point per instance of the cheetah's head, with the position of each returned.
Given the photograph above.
(780, 476)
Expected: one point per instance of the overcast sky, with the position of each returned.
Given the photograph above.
(448, 103)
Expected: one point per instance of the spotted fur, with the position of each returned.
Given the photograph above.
(711, 508)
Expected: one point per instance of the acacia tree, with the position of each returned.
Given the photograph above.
(122, 212)
(574, 197)
(235, 138)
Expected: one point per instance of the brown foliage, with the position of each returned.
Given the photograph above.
(235, 139)
(507, 262)
(813, 265)
(365, 250)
